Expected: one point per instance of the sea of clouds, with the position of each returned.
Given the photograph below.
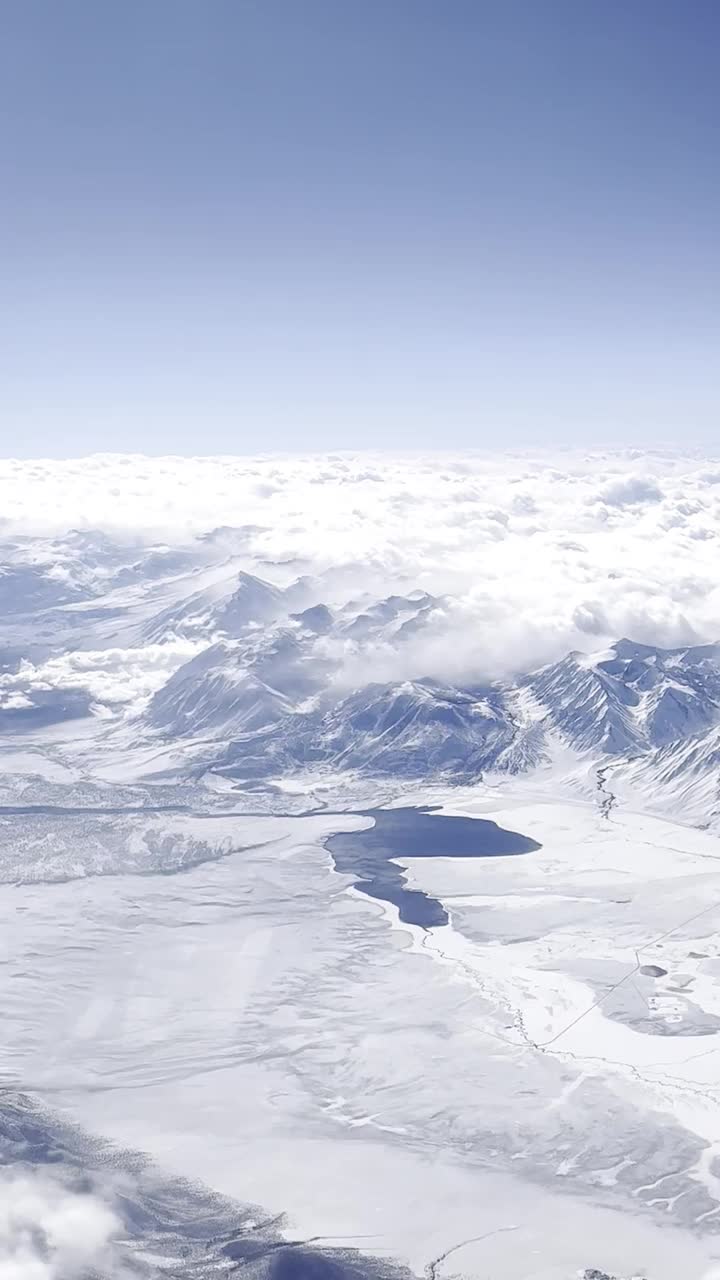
(534, 554)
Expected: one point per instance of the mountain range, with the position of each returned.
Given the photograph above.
(276, 677)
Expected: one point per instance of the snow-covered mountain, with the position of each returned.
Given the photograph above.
(275, 704)
(413, 729)
(226, 605)
(633, 698)
(285, 683)
(186, 646)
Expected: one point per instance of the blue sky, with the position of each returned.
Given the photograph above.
(241, 225)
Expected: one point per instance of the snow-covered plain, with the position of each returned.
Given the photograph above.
(512, 1080)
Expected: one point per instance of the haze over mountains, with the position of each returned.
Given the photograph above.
(252, 680)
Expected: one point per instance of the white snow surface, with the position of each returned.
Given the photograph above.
(494, 1090)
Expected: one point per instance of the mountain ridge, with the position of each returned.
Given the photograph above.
(632, 702)
(308, 673)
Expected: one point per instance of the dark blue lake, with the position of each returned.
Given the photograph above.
(417, 833)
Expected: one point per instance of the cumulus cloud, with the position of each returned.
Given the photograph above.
(538, 553)
(48, 1232)
(630, 491)
(120, 678)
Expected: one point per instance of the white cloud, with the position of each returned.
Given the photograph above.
(631, 491)
(542, 553)
(48, 1232)
(116, 677)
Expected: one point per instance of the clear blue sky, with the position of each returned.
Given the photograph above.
(239, 225)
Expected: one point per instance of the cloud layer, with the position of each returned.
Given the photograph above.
(48, 1232)
(119, 678)
(538, 553)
